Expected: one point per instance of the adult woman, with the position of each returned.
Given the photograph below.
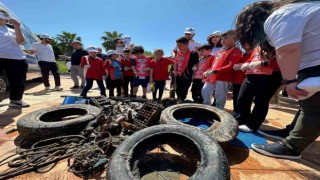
(214, 39)
(12, 59)
(292, 28)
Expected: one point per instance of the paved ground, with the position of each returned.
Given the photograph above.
(245, 164)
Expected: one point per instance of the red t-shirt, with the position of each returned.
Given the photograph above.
(160, 69)
(266, 70)
(141, 63)
(239, 76)
(97, 69)
(223, 62)
(181, 61)
(127, 63)
(203, 65)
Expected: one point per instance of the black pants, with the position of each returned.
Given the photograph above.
(89, 84)
(182, 87)
(159, 85)
(197, 85)
(126, 81)
(46, 67)
(115, 84)
(16, 71)
(262, 88)
(235, 93)
(108, 82)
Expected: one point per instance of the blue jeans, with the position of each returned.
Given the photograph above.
(89, 84)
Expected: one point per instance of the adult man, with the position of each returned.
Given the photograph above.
(101, 55)
(47, 62)
(75, 69)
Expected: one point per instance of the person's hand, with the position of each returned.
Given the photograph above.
(245, 67)
(237, 67)
(194, 68)
(295, 92)
(255, 64)
(62, 56)
(146, 69)
(14, 23)
(87, 66)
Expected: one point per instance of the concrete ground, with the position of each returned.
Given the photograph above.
(244, 163)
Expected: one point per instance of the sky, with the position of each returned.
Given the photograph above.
(150, 23)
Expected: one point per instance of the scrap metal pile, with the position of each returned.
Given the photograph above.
(89, 151)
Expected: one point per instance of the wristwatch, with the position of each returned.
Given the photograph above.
(286, 82)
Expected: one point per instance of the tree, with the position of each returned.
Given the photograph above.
(149, 53)
(64, 41)
(108, 39)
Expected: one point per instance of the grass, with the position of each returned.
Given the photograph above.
(62, 67)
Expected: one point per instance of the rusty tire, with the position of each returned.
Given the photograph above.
(49, 122)
(213, 162)
(224, 129)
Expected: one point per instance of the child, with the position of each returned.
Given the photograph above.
(185, 60)
(114, 69)
(94, 70)
(239, 76)
(141, 70)
(220, 73)
(159, 72)
(126, 65)
(198, 78)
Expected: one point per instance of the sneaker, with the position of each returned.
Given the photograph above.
(273, 106)
(75, 87)
(277, 150)
(47, 88)
(18, 104)
(81, 87)
(144, 97)
(245, 128)
(276, 134)
(57, 88)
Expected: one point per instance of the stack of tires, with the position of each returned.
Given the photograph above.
(213, 164)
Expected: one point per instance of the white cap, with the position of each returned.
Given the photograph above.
(4, 15)
(45, 36)
(92, 49)
(190, 30)
(218, 33)
(111, 52)
(76, 41)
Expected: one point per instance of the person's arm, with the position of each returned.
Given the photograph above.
(288, 58)
(19, 36)
(31, 52)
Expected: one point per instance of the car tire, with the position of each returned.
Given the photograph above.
(223, 130)
(49, 122)
(213, 162)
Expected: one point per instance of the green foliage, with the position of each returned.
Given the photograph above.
(108, 39)
(63, 69)
(64, 41)
(149, 53)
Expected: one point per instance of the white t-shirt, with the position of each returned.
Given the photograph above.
(192, 45)
(293, 23)
(215, 50)
(43, 52)
(9, 48)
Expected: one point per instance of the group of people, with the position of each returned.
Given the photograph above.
(279, 45)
